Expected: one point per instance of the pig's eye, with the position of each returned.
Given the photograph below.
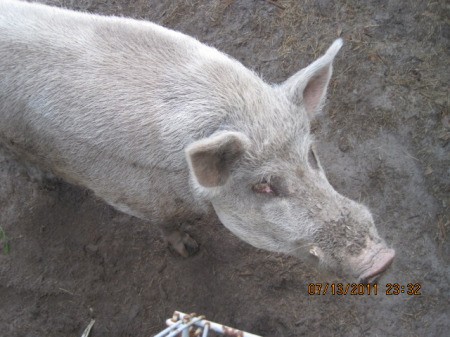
(264, 188)
(312, 159)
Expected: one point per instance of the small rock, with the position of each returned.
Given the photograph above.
(91, 248)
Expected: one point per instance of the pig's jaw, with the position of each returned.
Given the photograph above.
(366, 268)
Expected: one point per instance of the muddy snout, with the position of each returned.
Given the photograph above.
(374, 266)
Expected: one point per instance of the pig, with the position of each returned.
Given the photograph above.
(162, 127)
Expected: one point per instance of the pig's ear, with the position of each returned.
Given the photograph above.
(211, 159)
(308, 87)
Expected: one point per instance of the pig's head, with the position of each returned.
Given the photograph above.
(265, 182)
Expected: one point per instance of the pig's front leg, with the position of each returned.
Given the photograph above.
(180, 242)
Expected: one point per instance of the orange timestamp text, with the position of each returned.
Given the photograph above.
(363, 289)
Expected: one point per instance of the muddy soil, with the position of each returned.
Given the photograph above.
(383, 140)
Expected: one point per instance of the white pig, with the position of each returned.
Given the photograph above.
(162, 127)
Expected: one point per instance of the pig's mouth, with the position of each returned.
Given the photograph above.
(378, 264)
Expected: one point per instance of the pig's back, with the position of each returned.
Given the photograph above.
(110, 103)
(80, 88)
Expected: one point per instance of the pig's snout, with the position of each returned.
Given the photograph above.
(376, 265)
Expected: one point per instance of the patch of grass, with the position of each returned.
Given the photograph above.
(4, 242)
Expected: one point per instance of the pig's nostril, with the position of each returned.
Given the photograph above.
(383, 261)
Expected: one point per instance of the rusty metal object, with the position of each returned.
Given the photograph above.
(193, 325)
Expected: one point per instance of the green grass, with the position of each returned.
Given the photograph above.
(4, 242)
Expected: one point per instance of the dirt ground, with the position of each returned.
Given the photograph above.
(383, 140)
